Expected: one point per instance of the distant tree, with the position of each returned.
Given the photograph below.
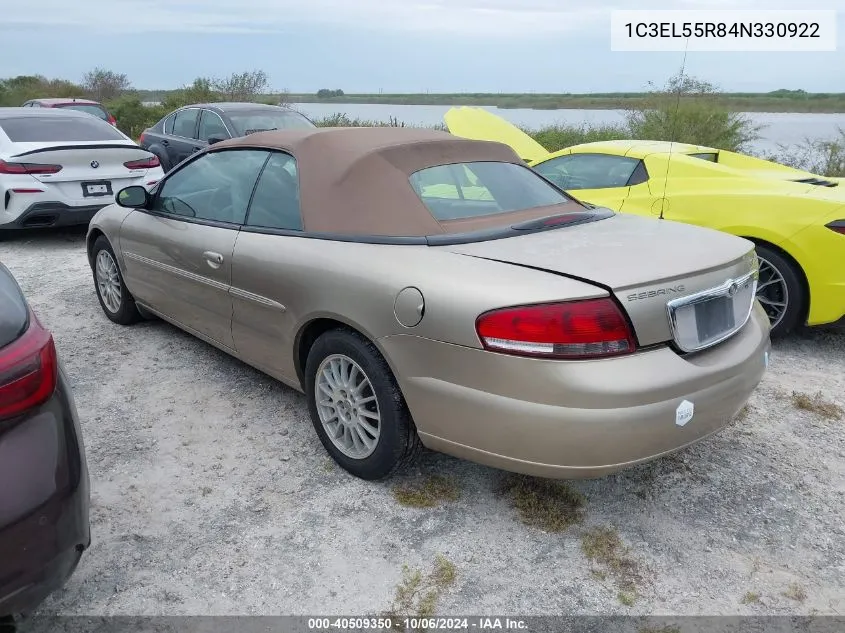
(687, 110)
(325, 93)
(245, 86)
(104, 85)
(14, 91)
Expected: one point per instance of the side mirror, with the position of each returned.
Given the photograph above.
(134, 197)
(215, 138)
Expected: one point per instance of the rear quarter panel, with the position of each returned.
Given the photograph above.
(358, 284)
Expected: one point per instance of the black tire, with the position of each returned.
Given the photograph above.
(398, 444)
(796, 294)
(127, 312)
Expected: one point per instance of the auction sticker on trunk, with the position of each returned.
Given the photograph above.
(684, 412)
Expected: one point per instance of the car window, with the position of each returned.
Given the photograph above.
(588, 171)
(215, 186)
(465, 190)
(168, 124)
(185, 123)
(62, 128)
(211, 125)
(275, 203)
(249, 121)
(87, 108)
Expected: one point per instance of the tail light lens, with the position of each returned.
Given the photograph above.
(28, 370)
(837, 225)
(145, 163)
(141, 140)
(112, 120)
(592, 328)
(28, 168)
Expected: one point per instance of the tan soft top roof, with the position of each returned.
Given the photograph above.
(354, 181)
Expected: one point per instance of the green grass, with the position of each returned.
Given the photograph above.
(817, 404)
(549, 505)
(428, 493)
(738, 102)
(603, 546)
(418, 594)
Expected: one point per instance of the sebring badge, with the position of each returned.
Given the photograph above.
(94, 164)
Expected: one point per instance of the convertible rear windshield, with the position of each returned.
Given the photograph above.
(49, 129)
(466, 190)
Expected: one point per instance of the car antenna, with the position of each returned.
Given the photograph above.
(674, 127)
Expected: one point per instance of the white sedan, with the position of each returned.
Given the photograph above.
(59, 167)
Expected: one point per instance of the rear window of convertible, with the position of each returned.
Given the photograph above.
(467, 190)
(58, 129)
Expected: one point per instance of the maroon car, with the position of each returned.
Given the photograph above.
(94, 108)
(44, 489)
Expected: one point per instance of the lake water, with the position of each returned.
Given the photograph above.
(789, 129)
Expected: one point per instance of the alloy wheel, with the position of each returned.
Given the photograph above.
(347, 406)
(108, 281)
(772, 291)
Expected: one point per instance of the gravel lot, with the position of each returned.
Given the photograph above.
(212, 495)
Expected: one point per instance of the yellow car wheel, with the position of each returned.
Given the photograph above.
(781, 291)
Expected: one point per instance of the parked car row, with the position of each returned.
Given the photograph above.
(421, 290)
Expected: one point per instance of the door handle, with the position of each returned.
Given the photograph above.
(165, 142)
(195, 150)
(213, 259)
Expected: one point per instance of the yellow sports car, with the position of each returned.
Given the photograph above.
(796, 218)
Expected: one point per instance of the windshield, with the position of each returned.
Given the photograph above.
(88, 108)
(249, 121)
(62, 128)
(467, 190)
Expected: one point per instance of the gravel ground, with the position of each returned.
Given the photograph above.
(212, 495)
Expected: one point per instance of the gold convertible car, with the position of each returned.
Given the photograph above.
(510, 324)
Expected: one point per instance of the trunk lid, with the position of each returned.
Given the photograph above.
(480, 125)
(644, 263)
(90, 171)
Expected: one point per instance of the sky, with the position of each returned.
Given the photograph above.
(388, 45)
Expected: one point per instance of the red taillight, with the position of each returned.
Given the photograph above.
(141, 139)
(28, 168)
(112, 120)
(28, 370)
(837, 225)
(146, 163)
(592, 328)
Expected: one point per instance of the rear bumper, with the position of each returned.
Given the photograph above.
(53, 214)
(44, 502)
(573, 419)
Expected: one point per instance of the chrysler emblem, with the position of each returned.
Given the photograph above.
(733, 289)
(94, 164)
